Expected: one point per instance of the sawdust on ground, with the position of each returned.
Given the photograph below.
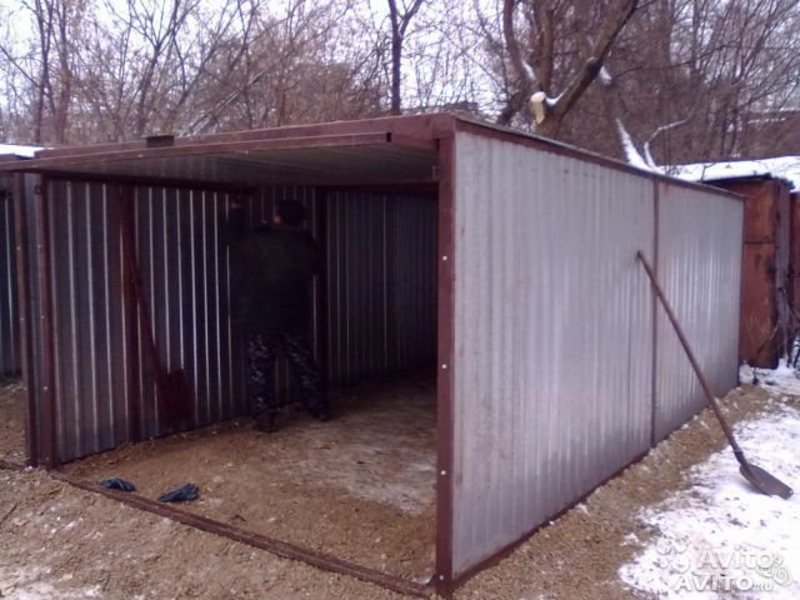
(61, 542)
(360, 487)
(12, 421)
(75, 544)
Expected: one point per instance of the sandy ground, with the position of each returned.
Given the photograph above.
(360, 487)
(61, 542)
(12, 421)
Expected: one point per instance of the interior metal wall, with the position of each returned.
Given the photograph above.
(184, 277)
(10, 356)
(380, 254)
(381, 292)
(699, 265)
(555, 334)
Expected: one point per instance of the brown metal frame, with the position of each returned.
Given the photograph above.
(244, 147)
(49, 449)
(426, 127)
(21, 238)
(135, 180)
(445, 355)
(256, 540)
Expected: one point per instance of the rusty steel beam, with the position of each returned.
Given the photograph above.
(414, 126)
(445, 392)
(256, 540)
(244, 147)
(25, 322)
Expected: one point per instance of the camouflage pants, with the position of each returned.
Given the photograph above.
(262, 353)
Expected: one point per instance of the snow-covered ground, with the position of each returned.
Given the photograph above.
(783, 380)
(720, 538)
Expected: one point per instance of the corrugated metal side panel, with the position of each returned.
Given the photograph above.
(699, 265)
(553, 334)
(381, 272)
(10, 358)
(381, 283)
(185, 282)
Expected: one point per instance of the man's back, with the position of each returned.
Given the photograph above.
(278, 266)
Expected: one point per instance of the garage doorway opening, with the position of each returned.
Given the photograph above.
(360, 487)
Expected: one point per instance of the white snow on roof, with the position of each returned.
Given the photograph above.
(782, 167)
(21, 151)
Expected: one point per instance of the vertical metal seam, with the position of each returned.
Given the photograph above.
(73, 313)
(166, 264)
(47, 357)
(92, 319)
(654, 312)
(24, 276)
(111, 391)
(217, 319)
(195, 373)
(205, 306)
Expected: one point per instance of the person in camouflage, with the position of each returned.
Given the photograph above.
(276, 266)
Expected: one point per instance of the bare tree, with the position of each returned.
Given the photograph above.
(536, 71)
(400, 20)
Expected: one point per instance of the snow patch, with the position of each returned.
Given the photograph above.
(782, 167)
(20, 151)
(780, 381)
(632, 155)
(604, 76)
(720, 537)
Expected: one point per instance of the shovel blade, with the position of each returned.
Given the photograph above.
(175, 399)
(764, 482)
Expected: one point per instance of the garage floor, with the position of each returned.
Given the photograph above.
(12, 420)
(360, 487)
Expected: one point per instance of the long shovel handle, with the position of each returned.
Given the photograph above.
(712, 401)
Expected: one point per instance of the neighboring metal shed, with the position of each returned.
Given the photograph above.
(766, 324)
(10, 354)
(506, 259)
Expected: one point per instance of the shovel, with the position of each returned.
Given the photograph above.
(174, 396)
(758, 477)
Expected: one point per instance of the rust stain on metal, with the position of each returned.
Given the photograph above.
(766, 282)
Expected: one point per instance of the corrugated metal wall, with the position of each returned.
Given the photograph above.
(381, 283)
(553, 334)
(10, 357)
(699, 265)
(554, 328)
(184, 276)
(382, 320)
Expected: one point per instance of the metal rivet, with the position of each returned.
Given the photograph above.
(44, 388)
(444, 258)
(442, 472)
(444, 366)
(441, 577)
